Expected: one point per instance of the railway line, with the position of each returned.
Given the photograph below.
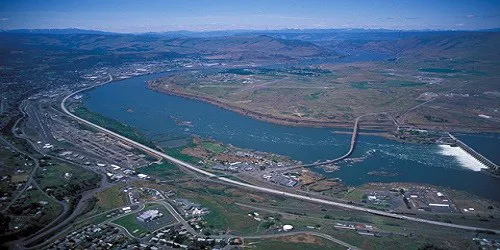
(264, 189)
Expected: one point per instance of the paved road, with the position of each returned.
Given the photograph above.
(178, 217)
(80, 207)
(30, 178)
(257, 188)
(56, 223)
(322, 235)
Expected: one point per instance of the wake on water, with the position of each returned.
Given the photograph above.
(464, 158)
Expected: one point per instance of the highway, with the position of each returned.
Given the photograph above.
(257, 188)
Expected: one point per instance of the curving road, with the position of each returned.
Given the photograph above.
(322, 235)
(257, 188)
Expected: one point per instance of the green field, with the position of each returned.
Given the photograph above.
(110, 198)
(113, 125)
(213, 147)
(50, 211)
(177, 153)
(52, 176)
(165, 171)
(286, 243)
(230, 216)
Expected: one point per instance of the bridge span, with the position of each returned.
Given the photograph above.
(208, 174)
(351, 148)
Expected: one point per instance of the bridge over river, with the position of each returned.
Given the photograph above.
(351, 148)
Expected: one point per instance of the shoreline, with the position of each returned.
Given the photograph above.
(289, 121)
(302, 122)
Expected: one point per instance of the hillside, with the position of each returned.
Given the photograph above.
(234, 48)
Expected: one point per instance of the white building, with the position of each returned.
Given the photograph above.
(149, 215)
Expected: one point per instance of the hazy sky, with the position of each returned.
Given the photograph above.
(198, 15)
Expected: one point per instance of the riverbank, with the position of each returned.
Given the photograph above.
(289, 121)
(153, 112)
(306, 121)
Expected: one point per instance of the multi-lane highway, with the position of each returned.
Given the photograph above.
(258, 188)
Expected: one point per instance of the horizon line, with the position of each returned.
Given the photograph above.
(244, 30)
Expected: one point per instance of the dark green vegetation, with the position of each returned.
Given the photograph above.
(62, 180)
(34, 209)
(112, 125)
(177, 153)
(164, 171)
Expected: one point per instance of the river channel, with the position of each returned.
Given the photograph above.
(157, 116)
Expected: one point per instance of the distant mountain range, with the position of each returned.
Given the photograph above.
(286, 32)
(68, 31)
(260, 45)
(252, 47)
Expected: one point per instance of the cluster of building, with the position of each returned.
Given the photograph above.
(248, 161)
(235, 167)
(179, 237)
(418, 198)
(149, 215)
(136, 195)
(100, 145)
(282, 179)
(362, 229)
(94, 237)
(487, 244)
(190, 209)
(381, 198)
(429, 200)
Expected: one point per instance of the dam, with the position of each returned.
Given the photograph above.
(474, 153)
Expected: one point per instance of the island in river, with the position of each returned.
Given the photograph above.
(388, 96)
(415, 163)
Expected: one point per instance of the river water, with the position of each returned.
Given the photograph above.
(157, 116)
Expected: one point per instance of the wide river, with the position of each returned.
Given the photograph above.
(155, 115)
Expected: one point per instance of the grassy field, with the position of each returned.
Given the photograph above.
(177, 153)
(308, 96)
(213, 147)
(139, 229)
(110, 198)
(52, 175)
(224, 214)
(49, 211)
(298, 242)
(10, 162)
(113, 125)
(165, 171)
